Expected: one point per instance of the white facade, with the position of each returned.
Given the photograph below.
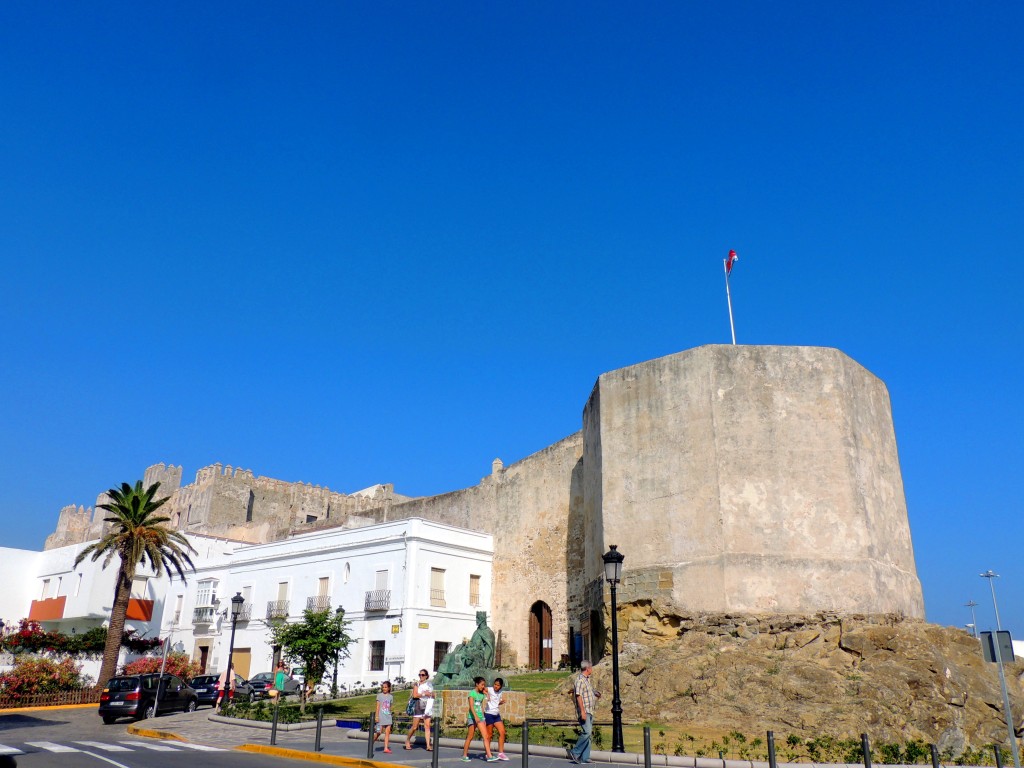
(410, 589)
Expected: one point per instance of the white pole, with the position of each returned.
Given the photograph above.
(728, 297)
(991, 576)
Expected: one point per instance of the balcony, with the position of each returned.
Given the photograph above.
(377, 600)
(204, 615)
(437, 598)
(49, 609)
(245, 612)
(277, 609)
(318, 603)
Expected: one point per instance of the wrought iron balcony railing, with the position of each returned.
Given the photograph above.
(437, 598)
(318, 603)
(277, 609)
(245, 612)
(378, 600)
(204, 615)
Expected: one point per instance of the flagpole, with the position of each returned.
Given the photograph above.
(728, 296)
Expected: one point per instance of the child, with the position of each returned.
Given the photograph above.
(383, 715)
(476, 720)
(492, 716)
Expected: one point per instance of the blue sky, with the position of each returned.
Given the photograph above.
(349, 243)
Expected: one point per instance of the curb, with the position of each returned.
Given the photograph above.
(16, 710)
(151, 733)
(263, 724)
(317, 757)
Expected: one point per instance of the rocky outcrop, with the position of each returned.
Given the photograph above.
(895, 678)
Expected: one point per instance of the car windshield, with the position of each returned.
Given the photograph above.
(122, 684)
(262, 677)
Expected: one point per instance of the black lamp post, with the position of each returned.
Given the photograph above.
(337, 657)
(236, 608)
(612, 573)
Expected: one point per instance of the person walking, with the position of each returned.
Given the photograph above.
(475, 720)
(586, 702)
(492, 716)
(423, 708)
(383, 715)
(226, 686)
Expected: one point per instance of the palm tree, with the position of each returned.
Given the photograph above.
(138, 537)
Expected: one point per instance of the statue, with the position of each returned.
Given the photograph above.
(468, 660)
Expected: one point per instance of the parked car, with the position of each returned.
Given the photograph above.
(206, 689)
(264, 681)
(136, 696)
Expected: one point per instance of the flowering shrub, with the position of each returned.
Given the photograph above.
(30, 637)
(177, 664)
(41, 675)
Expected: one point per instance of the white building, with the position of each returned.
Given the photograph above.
(410, 590)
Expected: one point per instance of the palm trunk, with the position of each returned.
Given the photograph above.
(115, 632)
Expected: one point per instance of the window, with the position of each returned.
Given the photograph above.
(323, 587)
(310, 518)
(440, 651)
(177, 609)
(60, 581)
(437, 587)
(282, 590)
(139, 591)
(78, 584)
(204, 593)
(376, 655)
(348, 572)
(381, 580)
(46, 590)
(474, 590)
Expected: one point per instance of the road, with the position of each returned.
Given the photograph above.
(76, 738)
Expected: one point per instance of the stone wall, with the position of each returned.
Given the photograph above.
(751, 479)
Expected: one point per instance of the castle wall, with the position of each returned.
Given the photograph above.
(751, 479)
(528, 507)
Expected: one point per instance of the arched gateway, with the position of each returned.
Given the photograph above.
(540, 635)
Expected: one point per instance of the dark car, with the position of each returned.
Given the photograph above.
(264, 681)
(206, 689)
(136, 696)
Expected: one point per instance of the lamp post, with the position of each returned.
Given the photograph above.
(612, 573)
(337, 656)
(236, 608)
(991, 576)
(974, 619)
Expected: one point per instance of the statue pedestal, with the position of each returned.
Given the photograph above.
(455, 707)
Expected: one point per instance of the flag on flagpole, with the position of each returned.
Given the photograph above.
(729, 262)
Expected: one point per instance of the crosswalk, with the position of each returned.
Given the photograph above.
(103, 746)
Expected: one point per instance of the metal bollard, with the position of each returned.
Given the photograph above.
(865, 746)
(273, 728)
(526, 744)
(999, 757)
(369, 736)
(935, 756)
(771, 750)
(435, 737)
(647, 746)
(319, 728)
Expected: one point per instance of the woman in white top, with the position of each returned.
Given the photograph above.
(423, 696)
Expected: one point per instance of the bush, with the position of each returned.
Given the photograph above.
(31, 676)
(177, 664)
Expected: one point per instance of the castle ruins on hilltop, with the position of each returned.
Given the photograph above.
(734, 479)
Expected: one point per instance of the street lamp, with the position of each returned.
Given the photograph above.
(991, 576)
(337, 657)
(236, 608)
(613, 573)
(974, 619)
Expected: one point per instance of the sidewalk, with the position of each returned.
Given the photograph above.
(342, 746)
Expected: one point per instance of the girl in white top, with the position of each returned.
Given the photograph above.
(492, 716)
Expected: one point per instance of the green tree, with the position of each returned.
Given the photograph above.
(318, 642)
(137, 536)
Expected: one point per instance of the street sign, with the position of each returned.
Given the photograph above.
(996, 646)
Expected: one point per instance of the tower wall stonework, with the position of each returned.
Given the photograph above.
(751, 480)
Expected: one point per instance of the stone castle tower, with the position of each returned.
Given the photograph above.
(740, 479)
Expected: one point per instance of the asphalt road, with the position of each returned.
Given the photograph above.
(77, 738)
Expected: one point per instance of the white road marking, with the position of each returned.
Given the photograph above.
(154, 747)
(200, 747)
(104, 758)
(5, 750)
(104, 747)
(49, 746)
